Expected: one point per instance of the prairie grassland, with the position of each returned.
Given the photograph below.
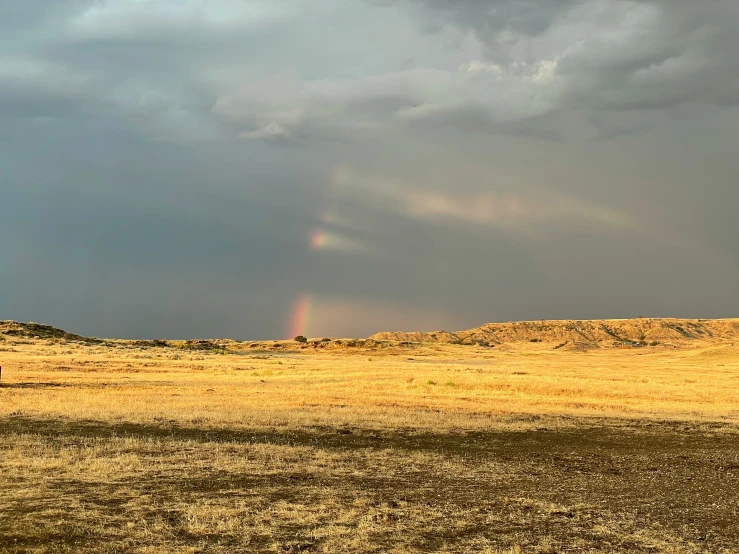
(435, 448)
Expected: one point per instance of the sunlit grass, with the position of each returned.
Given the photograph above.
(118, 449)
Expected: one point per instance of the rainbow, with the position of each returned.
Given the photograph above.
(319, 239)
(300, 317)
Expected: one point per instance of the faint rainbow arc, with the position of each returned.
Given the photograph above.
(319, 239)
(301, 315)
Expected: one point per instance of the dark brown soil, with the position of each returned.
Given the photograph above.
(663, 479)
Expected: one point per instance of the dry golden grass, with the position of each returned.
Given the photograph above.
(441, 448)
(438, 387)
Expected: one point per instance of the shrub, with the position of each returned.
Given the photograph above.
(301, 339)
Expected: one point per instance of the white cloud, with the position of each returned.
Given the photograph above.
(160, 19)
(271, 131)
(477, 66)
(545, 72)
(530, 213)
(376, 101)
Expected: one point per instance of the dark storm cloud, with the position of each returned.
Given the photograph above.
(197, 168)
(641, 55)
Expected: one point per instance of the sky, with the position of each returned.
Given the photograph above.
(259, 169)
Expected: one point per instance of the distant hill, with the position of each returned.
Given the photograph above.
(585, 334)
(47, 332)
(37, 330)
(555, 334)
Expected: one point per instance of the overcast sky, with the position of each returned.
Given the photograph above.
(261, 168)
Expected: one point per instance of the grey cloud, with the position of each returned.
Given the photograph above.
(630, 56)
(286, 103)
(23, 19)
(682, 55)
(181, 176)
(647, 55)
(500, 21)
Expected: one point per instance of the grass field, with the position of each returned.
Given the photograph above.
(123, 447)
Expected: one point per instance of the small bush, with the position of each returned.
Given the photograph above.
(326, 339)
(535, 340)
(654, 343)
(301, 339)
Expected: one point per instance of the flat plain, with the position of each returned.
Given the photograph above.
(366, 446)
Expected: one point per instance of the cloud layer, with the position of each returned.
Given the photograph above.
(201, 168)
